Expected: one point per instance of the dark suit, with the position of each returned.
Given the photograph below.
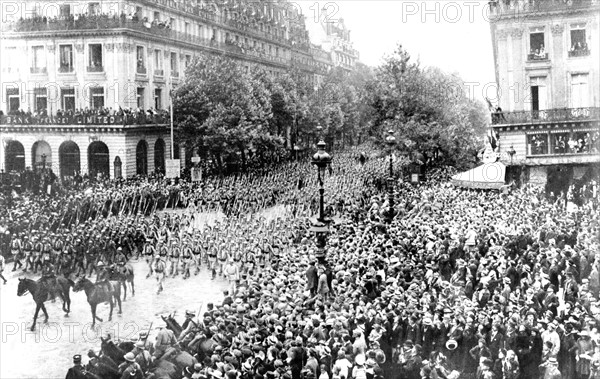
(76, 372)
(312, 279)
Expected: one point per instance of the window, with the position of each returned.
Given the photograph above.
(276, 51)
(65, 10)
(537, 49)
(174, 65)
(38, 60)
(139, 13)
(158, 98)
(96, 97)
(10, 56)
(538, 96)
(41, 99)
(66, 58)
(172, 23)
(94, 9)
(158, 63)
(579, 46)
(580, 94)
(95, 57)
(140, 97)
(537, 144)
(187, 28)
(188, 60)
(68, 99)
(141, 60)
(12, 99)
(156, 16)
(560, 143)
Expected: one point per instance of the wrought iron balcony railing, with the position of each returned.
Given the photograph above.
(500, 8)
(66, 69)
(537, 57)
(95, 69)
(38, 70)
(141, 70)
(105, 22)
(545, 116)
(159, 72)
(579, 53)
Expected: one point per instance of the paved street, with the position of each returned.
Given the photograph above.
(62, 337)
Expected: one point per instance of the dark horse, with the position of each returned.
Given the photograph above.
(42, 291)
(98, 294)
(200, 346)
(123, 274)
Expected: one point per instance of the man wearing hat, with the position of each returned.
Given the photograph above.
(130, 368)
(142, 356)
(77, 371)
(164, 340)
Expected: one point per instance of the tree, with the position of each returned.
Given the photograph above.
(428, 109)
(222, 110)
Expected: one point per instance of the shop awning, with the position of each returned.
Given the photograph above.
(487, 176)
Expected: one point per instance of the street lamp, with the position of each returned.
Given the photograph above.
(390, 141)
(511, 151)
(320, 226)
(44, 162)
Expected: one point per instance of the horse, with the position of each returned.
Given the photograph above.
(103, 367)
(112, 351)
(201, 347)
(123, 274)
(98, 294)
(41, 292)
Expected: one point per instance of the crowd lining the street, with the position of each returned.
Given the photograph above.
(463, 283)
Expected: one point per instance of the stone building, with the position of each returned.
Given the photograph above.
(85, 84)
(546, 55)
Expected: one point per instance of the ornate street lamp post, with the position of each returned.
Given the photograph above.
(320, 226)
(44, 162)
(390, 141)
(511, 151)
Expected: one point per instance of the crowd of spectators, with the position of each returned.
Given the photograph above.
(462, 283)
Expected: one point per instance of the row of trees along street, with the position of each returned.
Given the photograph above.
(243, 118)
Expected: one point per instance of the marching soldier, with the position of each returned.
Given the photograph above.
(186, 256)
(38, 246)
(174, 258)
(197, 253)
(149, 253)
(46, 250)
(16, 249)
(160, 272)
(57, 247)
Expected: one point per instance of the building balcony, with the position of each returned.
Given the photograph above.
(579, 53)
(159, 72)
(537, 57)
(104, 22)
(118, 118)
(546, 116)
(141, 70)
(508, 8)
(174, 74)
(38, 70)
(66, 69)
(95, 69)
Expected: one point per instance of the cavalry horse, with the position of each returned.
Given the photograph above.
(100, 293)
(41, 291)
(169, 366)
(200, 346)
(123, 274)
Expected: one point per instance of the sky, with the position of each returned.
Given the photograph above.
(452, 35)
